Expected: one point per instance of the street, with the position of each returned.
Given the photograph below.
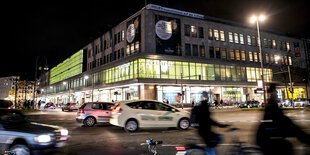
(108, 139)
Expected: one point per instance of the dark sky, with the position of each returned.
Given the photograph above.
(55, 30)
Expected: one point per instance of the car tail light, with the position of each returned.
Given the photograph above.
(112, 107)
(180, 148)
(72, 106)
(118, 109)
(82, 111)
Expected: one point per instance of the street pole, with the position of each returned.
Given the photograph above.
(261, 58)
(291, 85)
(182, 90)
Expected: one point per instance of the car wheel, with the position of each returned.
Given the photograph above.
(131, 125)
(20, 149)
(249, 106)
(89, 121)
(184, 124)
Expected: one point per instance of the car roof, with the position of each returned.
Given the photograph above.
(129, 101)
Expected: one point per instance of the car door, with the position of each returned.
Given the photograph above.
(168, 116)
(104, 112)
(148, 114)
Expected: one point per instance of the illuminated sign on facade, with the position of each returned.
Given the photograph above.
(68, 68)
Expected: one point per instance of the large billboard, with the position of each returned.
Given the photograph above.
(133, 35)
(68, 68)
(168, 35)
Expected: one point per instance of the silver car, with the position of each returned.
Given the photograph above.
(92, 113)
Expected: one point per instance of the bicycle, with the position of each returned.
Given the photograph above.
(237, 148)
(151, 146)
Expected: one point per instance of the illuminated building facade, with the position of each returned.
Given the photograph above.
(159, 53)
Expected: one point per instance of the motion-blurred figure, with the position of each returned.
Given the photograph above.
(206, 122)
(275, 127)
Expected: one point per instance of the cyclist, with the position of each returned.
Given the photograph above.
(205, 122)
(275, 127)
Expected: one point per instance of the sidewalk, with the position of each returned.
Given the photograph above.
(225, 108)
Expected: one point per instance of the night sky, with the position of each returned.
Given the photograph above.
(55, 30)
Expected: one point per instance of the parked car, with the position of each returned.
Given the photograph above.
(250, 104)
(49, 106)
(284, 103)
(70, 107)
(148, 113)
(92, 113)
(7, 104)
(301, 102)
(19, 136)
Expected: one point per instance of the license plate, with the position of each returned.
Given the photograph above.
(61, 144)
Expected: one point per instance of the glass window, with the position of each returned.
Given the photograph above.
(250, 56)
(288, 46)
(195, 50)
(267, 57)
(187, 30)
(241, 38)
(192, 70)
(228, 73)
(233, 73)
(222, 35)
(290, 60)
(236, 38)
(200, 32)
(185, 70)
(142, 68)
(230, 37)
(179, 69)
(171, 69)
(187, 49)
(198, 70)
(249, 40)
(232, 54)
(274, 44)
(254, 41)
(211, 51)
(238, 73)
(210, 34)
(276, 60)
(164, 70)
(255, 57)
(238, 55)
(211, 72)
(223, 72)
(271, 58)
(202, 51)
(217, 72)
(265, 43)
(216, 34)
(147, 105)
(157, 68)
(269, 43)
(218, 53)
(194, 31)
(163, 107)
(243, 56)
(224, 53)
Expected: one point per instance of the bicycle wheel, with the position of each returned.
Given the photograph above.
(250, 151)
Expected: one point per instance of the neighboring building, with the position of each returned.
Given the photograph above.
(159, 53)
(7, 87)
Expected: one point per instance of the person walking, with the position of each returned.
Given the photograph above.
(39, 104)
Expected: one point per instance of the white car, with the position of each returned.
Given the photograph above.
(148, 113)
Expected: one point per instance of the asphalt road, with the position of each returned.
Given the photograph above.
(108, 139)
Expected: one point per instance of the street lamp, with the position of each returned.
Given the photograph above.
(257, 20)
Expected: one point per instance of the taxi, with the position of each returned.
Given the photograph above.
(148, 114)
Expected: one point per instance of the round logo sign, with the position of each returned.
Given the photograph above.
(130, 34)
(163, 29)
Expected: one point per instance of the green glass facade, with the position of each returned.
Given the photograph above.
(68, 68)
(162, 69)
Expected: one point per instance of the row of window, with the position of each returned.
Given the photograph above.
(118, 37)
(235, 54)
(233, 37)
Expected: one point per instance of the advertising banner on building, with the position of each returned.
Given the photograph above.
(168, 35)
(133, 34)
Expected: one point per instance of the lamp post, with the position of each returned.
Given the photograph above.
(253, 20)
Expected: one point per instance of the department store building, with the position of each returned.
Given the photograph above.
(160, 53)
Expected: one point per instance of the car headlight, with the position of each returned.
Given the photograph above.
(43, 138)
(245, 104)
(64, 132)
